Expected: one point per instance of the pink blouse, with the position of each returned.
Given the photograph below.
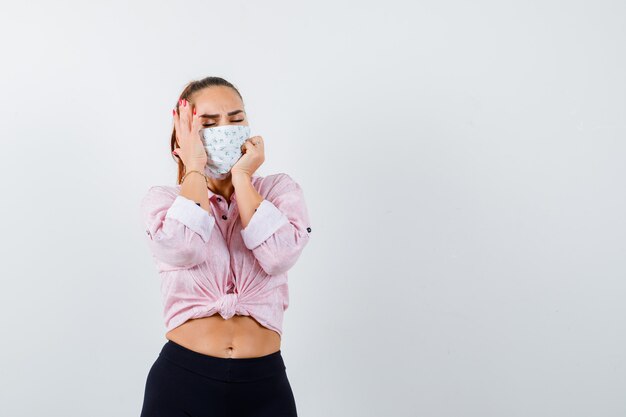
(209, 264)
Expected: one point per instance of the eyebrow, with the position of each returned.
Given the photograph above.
(213, 116)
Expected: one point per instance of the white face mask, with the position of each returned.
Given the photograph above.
(223, 148)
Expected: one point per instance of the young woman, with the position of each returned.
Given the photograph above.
(223, 240)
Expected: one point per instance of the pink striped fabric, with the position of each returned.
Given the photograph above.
(209, 264)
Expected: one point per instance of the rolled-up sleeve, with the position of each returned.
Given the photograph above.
(279, 228)
(177, 230)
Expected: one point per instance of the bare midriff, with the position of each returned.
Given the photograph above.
(237, 337)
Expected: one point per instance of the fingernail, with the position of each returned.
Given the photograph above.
(173, 112)
(185, 103)
(194, 110)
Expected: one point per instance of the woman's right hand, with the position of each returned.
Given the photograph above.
(191, 149)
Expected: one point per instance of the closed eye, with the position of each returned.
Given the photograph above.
(212, 124)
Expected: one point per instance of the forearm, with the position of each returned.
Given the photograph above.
(248, 198)
(194, 188)
(279, 227)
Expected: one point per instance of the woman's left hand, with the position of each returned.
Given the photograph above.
(253, 156)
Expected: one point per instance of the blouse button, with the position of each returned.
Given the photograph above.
(224, 216)
(219, 199)
(308, 229)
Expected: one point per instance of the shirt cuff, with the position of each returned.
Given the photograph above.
(265, 221)
(194, 217)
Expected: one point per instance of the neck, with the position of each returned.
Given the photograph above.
(223, 187)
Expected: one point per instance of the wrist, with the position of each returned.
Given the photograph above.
(194, 174)
(238, 177)
(194, 168)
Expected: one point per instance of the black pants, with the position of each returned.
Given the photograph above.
(182, 382)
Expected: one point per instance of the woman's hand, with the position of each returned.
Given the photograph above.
(252, 158)
(191, 149)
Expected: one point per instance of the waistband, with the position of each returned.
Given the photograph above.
(224, 369)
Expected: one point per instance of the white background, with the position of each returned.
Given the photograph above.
(463, 165)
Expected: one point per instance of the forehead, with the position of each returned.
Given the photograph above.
(217, 99)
